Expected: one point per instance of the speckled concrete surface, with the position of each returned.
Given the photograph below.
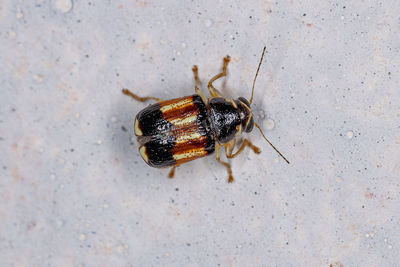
(75, 192)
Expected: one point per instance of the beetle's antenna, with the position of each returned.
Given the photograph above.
(270, 142)
(255, 77)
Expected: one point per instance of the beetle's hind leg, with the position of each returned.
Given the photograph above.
(229, 148)
(171, 173)
(138, 98)
(213, 91)
(226, 164)
(197, 83)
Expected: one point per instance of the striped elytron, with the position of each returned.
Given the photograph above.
(176, 131)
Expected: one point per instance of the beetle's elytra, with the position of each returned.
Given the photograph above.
(176, 131)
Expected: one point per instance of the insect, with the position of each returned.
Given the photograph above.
(172, 132)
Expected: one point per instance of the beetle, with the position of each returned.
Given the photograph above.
(172, 132)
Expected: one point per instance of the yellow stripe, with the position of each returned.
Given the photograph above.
(143, 153)
(190, 154)
(176, 105)
(138, 131)
(185, 121)
(188, 136)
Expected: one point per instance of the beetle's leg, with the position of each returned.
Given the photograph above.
(138, 98)
(195, 70)
(172, 171)
(213, 91)
(197, 83)
(245, 143)
(226, 164)
(229, 147)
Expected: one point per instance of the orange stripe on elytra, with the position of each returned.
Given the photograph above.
(188, 137)
(168, 105)
(189, 141)
(188, 119)
(181, 111)
(189, 155)
(190, 150)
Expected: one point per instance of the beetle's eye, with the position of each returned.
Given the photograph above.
(250, 125)
(244, 100)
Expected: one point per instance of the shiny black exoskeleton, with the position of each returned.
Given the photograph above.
(230, 118)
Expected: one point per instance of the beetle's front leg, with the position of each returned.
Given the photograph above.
(229, 149)
(138, 98)
(213, 91)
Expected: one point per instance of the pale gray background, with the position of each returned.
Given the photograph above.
(75, 192)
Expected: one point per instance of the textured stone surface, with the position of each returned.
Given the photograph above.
(75, 192)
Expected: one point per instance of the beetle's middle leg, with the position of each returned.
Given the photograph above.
(138, 98)
(197, 83)
(226, 164)
(213, 91)
(229, 148)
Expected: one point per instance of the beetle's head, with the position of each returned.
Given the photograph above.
(246, 116)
